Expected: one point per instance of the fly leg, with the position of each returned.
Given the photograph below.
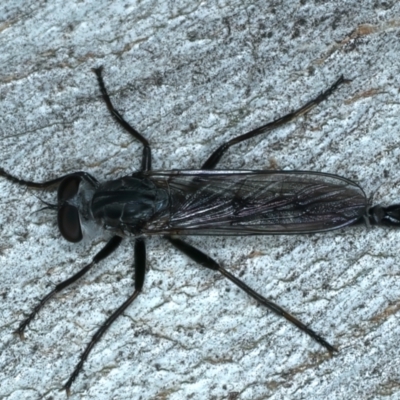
(140, 269)
(146, 157)
(47, 184)
(108, 249)
(206, 261)
(215, 157)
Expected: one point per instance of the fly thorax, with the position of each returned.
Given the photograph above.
(126, 205)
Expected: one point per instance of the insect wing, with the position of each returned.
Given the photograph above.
(255, 202)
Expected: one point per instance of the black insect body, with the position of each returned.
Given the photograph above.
(202, 202)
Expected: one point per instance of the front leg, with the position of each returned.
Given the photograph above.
(47, 184)
(108, 249)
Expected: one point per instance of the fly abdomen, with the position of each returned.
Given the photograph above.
(388, 216)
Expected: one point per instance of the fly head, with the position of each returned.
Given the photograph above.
(74, 196)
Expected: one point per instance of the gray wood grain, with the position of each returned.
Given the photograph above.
(190, 75)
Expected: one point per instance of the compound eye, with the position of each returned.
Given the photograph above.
(68, 189)
(69, 224)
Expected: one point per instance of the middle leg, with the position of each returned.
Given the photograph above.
(146, 157)
(140, 269)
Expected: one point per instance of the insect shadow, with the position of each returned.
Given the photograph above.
(201, 202)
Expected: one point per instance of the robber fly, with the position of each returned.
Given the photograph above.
(202, 202)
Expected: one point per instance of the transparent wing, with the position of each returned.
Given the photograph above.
(254, 202)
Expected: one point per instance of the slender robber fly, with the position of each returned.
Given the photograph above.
(202, 202)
